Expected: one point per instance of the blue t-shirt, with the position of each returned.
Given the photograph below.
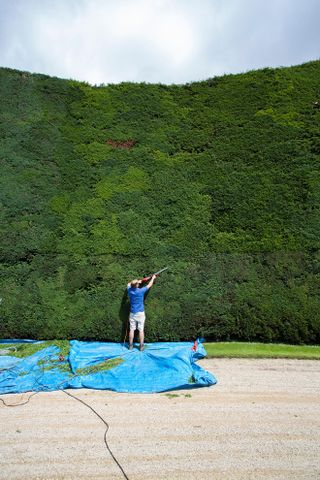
(136, 296)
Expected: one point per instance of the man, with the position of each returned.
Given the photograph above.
(137, 315)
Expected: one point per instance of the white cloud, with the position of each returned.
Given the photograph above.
(168, 41)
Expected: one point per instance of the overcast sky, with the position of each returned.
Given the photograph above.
(166, 41)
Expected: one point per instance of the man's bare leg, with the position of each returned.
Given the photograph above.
(131, 335)
(141, 336)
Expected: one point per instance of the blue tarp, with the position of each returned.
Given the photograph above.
(160, 367)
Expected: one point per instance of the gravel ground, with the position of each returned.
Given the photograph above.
(261, 421)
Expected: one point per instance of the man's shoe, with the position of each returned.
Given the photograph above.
(130, 347)
(141, 348)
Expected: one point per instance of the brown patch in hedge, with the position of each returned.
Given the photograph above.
(129, 143)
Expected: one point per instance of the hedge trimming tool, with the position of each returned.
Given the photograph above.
(145, 279)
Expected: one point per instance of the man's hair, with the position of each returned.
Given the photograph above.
(135, 282)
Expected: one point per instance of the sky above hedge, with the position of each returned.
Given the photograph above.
(166, 41)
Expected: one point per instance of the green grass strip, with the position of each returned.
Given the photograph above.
(261, 350)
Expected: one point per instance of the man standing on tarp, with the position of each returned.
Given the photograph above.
(137, 315)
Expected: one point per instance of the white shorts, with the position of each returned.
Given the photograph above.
(137, 321)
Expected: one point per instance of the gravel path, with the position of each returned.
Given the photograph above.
(261, 421)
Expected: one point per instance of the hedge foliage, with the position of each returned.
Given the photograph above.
(219, 180)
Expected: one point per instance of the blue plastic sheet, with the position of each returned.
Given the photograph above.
(160, 367)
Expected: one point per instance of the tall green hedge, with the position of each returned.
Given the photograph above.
(219, 180)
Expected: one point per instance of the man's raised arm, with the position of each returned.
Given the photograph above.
(151, 281)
